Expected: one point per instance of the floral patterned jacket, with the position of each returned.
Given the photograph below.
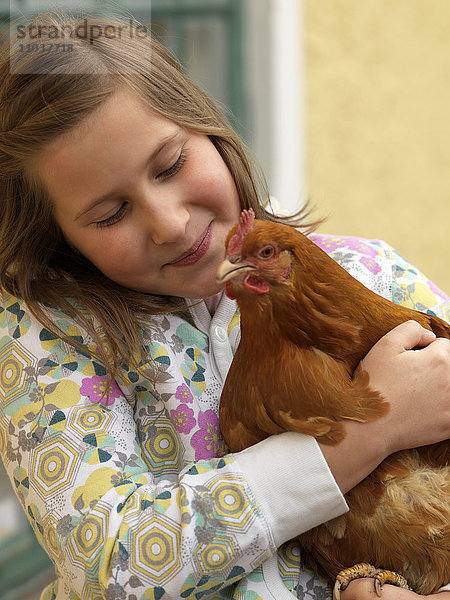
(129, 490)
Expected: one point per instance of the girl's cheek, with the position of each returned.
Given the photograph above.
(209, 186)
(107, 250)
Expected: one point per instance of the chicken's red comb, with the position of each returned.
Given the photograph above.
(243, 227)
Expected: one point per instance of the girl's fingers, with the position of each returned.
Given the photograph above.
(409, 335)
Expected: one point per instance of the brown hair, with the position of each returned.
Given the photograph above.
(43, 95)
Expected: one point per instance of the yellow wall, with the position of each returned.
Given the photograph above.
(378, 123)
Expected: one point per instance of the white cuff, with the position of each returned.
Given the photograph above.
(292, 483)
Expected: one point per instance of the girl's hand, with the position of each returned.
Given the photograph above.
(415, 382)
(417, 385)
(363, 589)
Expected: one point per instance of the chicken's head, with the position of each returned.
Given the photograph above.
(258, 256)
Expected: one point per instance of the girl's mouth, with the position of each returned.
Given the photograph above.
(196, 252)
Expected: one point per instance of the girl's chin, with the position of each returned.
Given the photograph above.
(202, 288)
(184, 282)
(204, 293)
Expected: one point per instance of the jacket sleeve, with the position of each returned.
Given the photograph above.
(411, 288)
(112, 525)
(382, 269)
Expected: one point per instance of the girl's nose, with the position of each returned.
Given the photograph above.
(165, 219)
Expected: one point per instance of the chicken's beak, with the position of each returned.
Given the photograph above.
(227, 270)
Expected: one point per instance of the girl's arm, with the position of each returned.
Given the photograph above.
(401, 375)
(398, 372)
(111, 487)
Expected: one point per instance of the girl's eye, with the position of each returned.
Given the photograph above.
(115, 218)
(173, 170)
(170, 172)
(267, 252)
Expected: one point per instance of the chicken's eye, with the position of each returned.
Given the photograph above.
(267, 252)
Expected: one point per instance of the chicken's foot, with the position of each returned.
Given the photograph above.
(365, 570)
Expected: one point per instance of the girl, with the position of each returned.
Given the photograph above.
(119, 181)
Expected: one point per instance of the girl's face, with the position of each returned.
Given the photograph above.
(147, 202)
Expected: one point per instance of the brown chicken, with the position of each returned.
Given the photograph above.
(305, 326)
